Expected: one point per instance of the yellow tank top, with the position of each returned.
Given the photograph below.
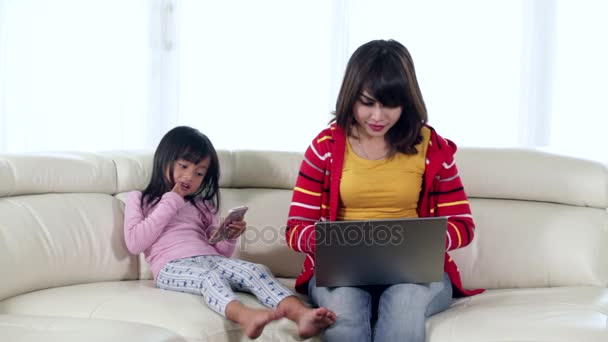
(386, 188)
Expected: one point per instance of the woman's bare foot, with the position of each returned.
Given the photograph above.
(252, 321)
(312, 322)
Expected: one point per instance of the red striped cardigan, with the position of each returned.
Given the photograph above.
(316, 197)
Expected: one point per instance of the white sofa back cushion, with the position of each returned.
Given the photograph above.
(535, 244)
(51, 240)
(531, 175)
(24, 174)
(541, 219)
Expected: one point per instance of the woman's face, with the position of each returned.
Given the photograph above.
(373, 118)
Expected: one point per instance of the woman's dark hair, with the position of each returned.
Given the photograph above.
(384, 69)
(189, 144)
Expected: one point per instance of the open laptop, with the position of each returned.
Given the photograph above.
(378, 252)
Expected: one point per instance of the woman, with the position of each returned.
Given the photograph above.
(379, 159)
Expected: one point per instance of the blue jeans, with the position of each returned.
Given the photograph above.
(398, 311)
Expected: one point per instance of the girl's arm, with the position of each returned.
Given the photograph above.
(224, 247)
(141, 232)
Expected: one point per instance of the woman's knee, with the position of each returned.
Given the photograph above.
(425, 299)
(405, 297)
(350, 301)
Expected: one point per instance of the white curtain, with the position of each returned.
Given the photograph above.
(75, 75)
(256, 74)
(98, 75)
(579, 121)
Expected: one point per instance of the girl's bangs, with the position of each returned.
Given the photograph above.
(193, 155)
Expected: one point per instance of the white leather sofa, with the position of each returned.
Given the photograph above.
(541, 249)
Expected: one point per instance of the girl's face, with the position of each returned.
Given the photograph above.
(189, 176)
(373, 118)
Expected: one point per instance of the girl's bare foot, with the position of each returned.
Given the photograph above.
(312, 322)
(253, 321)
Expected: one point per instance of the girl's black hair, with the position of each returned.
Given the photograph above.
(189, 144)
(384, 68)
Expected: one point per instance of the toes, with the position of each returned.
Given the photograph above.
(327, 321)
(323, 310)
(331, 315)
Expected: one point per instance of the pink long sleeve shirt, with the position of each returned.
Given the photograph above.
(170, 230)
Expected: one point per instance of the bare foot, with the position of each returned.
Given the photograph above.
(312, 322)
(253, 321)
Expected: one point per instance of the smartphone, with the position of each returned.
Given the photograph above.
(234, 214)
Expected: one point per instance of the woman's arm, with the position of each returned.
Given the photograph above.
(306, 201)
(452, 202)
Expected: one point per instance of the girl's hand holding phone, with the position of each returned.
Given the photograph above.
(231, 231)
(232, 227)
(236, 229)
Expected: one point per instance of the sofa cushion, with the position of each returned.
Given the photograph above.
(264, 240)
(239, 169)
(260, 169)
(141, 302)
(61, 239)
(133, 169)
(531, 175)
(534, 244)
(62, 329)
(24, 174)
(550, 314)
(534, 315)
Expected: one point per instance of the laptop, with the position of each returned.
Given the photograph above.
(380, 252)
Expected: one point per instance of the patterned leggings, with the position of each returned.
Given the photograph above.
(214, 277)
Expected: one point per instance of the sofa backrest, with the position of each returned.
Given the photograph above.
(541, 218)
(60, 223)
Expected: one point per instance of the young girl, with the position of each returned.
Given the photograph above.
(171, 221)
(378, 160)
